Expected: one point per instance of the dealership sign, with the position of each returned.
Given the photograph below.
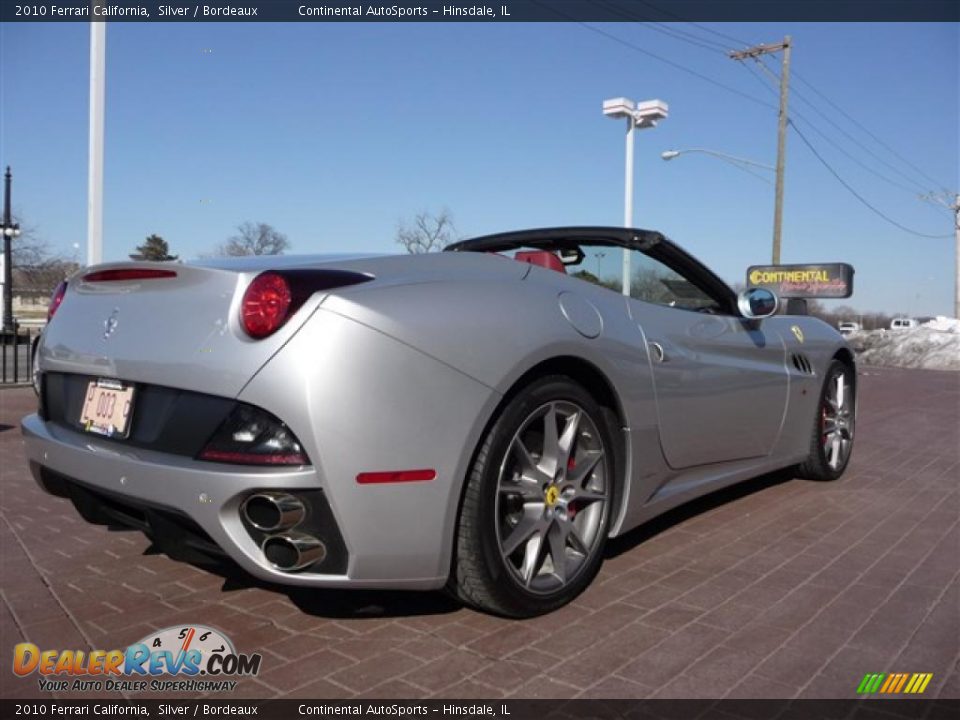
(827, 280)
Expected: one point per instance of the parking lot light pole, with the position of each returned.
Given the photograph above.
(10, 230)
(638, 116)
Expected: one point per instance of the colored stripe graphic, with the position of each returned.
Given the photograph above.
(894, 683)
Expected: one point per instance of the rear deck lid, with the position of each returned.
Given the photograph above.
(161, 323)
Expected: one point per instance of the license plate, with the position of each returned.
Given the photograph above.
(107, 408)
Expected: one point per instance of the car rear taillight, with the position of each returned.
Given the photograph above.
(251, 436)
(120, 274)
(266, 305)
(56, 299)
(275, 295)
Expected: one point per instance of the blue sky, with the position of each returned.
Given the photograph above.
(335, 132)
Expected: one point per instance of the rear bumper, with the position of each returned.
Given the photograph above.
(188, 506)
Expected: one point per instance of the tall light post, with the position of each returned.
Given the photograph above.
(638, 116)
(10, 230)
(98, 44)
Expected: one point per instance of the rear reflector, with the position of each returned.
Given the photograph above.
(243, 458)
(56, 299)
(396, 476)
(120, 274)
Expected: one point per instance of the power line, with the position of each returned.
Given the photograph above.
(627, 43)
(671, 63)
(853, 192)
(689, 38)
(720, 34)
(686, 37)
(836, 107)
(867, 131)
(898, 171)
(658, 27)
(813, 126)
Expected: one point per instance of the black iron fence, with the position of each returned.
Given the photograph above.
(16, 365)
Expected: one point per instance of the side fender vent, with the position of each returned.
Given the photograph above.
(802, 363)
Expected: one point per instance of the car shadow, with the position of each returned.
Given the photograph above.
(660, 524)
(342, 604)
(329, 603)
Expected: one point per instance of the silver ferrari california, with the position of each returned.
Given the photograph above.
(480, 419)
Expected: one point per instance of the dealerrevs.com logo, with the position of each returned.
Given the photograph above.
(200, 658)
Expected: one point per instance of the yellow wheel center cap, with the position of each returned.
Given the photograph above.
(552, 495)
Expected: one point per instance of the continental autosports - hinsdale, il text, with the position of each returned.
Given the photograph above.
(391, 11)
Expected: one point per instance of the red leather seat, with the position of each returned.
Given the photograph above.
(543, 258)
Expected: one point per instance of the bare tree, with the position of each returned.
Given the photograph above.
(34, 265)
(427, 233)
(255, 239)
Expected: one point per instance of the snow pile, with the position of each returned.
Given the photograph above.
(944, 324)
(935, 345)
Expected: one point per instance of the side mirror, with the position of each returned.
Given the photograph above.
(757, 303)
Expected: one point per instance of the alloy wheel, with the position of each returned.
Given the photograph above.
(552, 497)
(836, 420)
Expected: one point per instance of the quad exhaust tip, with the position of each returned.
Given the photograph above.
(272, 511)
(292, 551)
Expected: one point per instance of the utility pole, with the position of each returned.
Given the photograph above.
(944, 200)
(754, 53)
(956, 257)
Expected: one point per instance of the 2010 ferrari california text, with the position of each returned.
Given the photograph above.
(480, 419)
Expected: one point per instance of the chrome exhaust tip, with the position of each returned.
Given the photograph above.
(292, 551)
(270, 511)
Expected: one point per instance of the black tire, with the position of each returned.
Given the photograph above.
(485, 578)
(818, 466)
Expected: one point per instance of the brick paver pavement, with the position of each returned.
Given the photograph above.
(777, 588)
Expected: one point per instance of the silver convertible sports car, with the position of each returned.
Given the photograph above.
(480, 419)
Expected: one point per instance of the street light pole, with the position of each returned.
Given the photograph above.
(628, 199)
(671, 154)
(98, 42)
(638, 116)
(10, 231)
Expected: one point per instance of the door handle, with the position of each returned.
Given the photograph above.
(657, 352)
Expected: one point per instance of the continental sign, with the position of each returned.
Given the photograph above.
(831, 280)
